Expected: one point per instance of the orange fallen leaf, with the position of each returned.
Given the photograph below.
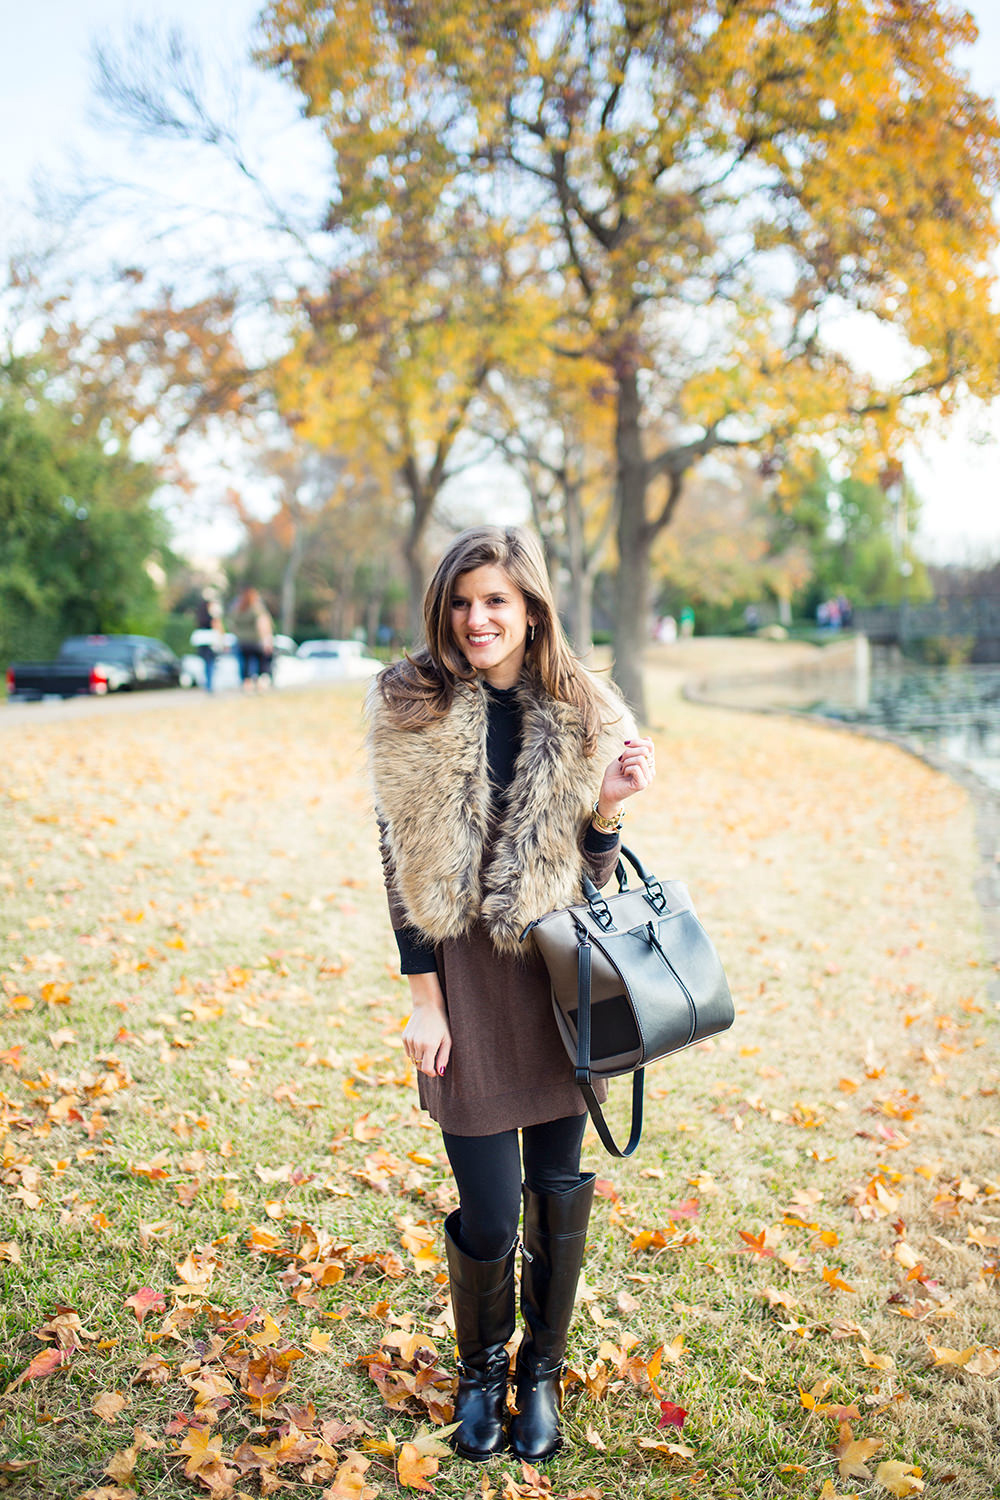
(43, 1364)
(753, 1244)
(418, 1461)
(833, 1279)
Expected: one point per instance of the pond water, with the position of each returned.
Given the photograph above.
(954, 711)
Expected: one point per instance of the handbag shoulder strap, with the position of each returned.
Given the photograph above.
(583, 1077)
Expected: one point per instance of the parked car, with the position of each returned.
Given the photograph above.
(98, 664)
(338, 659)
(286, 669)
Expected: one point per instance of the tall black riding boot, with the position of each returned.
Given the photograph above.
(555, 1232)
(482, 1297)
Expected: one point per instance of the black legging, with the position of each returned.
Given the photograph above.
(487, 1171)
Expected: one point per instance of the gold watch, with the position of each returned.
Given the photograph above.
(608, 825)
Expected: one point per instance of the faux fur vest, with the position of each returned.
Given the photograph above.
(432, 794)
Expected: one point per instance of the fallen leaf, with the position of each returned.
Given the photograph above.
(414, 1469)
(109, 1405)
(671, 1415)
(985, 1361)
(43, 1364)
(876, 1361)
(901, 1479)
(753, 1244)
(852, 1453)
(145, 1300)
(833, 1279)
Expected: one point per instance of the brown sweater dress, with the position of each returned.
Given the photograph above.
(508, 1066)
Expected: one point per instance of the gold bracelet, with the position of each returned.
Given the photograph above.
(608, 825)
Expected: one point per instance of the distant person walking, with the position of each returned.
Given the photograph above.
(254, 630)
(211, 634)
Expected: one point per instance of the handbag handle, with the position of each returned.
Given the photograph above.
(583, 972)
(597, 903)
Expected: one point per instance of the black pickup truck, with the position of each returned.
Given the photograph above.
(98, 664)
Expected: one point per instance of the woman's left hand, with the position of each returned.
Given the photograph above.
(632, 772)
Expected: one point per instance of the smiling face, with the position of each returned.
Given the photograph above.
(489, 620)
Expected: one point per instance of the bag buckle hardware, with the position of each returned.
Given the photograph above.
(655, 896)
(602, 914)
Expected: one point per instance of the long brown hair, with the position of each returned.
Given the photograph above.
(421, 688)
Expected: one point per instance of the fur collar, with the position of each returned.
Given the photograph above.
(432, 795)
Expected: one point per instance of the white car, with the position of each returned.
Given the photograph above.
(330, 660)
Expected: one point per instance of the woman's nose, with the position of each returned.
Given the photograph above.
(477, 612)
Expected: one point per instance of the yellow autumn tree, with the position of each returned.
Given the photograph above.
(391, 354)
(706, 185)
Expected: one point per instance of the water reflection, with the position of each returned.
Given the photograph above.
(954, 711)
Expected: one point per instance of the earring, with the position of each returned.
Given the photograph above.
(531, 635)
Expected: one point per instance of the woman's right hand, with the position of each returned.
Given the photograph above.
(427, 1035)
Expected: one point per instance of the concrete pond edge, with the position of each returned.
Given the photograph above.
(985, 799)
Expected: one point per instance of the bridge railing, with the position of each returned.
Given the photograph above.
(978, 618)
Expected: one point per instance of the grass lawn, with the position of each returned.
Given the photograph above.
(220, 1242)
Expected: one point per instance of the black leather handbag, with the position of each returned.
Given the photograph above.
(634, 977)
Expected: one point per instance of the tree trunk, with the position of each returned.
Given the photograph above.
(290, 577)
(422, 497)
(581, 584)
(632, 580)
(413, 554)
(583, 613)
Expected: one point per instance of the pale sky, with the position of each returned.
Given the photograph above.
(46, 126)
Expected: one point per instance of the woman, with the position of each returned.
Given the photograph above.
(500, 767)
(254, 639)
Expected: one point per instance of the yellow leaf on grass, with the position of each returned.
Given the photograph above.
(985, 1361)
(945, 1356)
(899, 1478)
(876, 1361)
(349, 1481)
(776, 1297)
(200, 1448)
(674, 1452)
(269, 1334)
(833, 1279)
(319, 1341)
(853, 1453)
